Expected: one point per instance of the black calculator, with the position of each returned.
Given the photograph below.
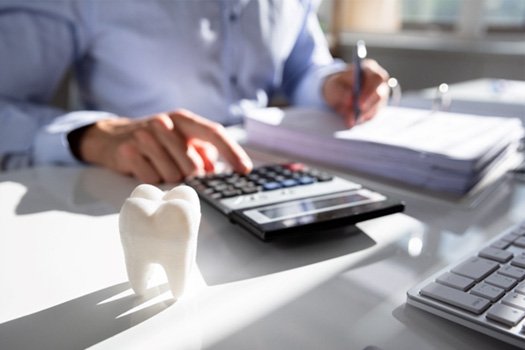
(288, 199)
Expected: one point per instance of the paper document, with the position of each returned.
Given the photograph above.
(438, 150)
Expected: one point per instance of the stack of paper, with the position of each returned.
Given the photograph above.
(436, 150)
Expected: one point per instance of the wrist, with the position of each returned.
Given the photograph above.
(75, 138)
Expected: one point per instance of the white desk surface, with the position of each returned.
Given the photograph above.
(63, 283)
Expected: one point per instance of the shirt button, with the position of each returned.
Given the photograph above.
(233, 17)
(233, 80)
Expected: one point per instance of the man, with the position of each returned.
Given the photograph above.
(158, 79)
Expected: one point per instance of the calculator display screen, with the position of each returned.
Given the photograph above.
(310, 205)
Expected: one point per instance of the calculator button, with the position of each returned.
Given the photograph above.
(295, 166)
(207, 191)
(261, 181)
(216, 195)
(214, 182)
(306, 180)
(249, 190)
(324, 178)
(271, 186)
(233, 180)
(221, 187)
(230, 193)
(289, 183)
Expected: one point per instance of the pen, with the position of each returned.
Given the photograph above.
(359, 55)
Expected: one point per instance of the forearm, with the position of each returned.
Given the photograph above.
(20, 122)
(308, 64)
(34, 134)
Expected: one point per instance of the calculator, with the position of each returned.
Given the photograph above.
(280, 200)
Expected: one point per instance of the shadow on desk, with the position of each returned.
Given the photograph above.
(228, 253)
(81, 322)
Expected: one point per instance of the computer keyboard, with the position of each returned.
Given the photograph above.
(485, 292)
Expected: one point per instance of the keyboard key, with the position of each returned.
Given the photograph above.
(476, 268)
(520, 288)
(455, 281)
(505, 314)
(501, 281)
(518, 261)
(500, 244)
(502, 291)
(520, 242)
(512, 271)
(456, 297)
(488, 291)
(515, 300)
(496, 254)
(510, 237)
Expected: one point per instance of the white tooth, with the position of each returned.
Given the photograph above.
(158, 228)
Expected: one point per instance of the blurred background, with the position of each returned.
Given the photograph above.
(427, 42)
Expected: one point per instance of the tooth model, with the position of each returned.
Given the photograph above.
(160, 228)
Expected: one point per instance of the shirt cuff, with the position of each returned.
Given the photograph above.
(51, 145)
(309, 92)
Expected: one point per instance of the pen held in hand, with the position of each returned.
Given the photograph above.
(359, 56)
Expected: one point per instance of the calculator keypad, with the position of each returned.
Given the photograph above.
(265, 178)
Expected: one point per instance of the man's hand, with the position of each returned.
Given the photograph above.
(337, 91)
(161, 148)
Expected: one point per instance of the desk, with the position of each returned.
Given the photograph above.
(63, 283)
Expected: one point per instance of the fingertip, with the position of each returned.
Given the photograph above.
(246, 165)
(350, 121)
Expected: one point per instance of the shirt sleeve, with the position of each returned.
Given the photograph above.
(37, 47)
(309, 63)
(25, 142)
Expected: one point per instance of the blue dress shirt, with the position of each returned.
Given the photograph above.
(136, 58)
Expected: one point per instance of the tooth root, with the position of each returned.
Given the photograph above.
(177, 264)
(177, 275)
(163, 229)
(139, 273)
